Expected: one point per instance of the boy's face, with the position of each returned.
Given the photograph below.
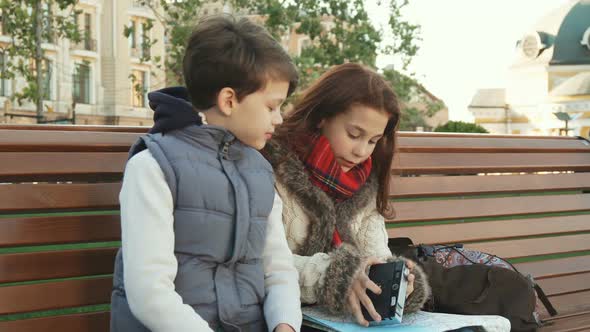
(254, 119)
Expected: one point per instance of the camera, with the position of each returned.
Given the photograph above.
(392, 277)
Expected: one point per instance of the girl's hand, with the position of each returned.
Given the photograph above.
(358, 293)
(284, 328)
(361, 283)
(410, 288)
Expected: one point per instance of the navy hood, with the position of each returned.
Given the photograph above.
(172, 110)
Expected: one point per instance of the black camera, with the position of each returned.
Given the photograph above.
(392, 277)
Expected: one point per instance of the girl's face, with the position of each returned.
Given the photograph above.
(353, 134)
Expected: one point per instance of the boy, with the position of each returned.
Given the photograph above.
(203, 246)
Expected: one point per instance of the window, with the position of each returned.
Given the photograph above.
(81, 80)
(2, 23)
(89, 44)
(48, 35)
(4, 83)
(47, 72)
(47, 79)
(139, 88)
(140, 35)
(132, 36)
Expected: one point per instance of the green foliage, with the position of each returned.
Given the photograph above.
(178, 18)
(339, 31)
(411, 93)
(411, 118)
(461, 127)
(20, 22)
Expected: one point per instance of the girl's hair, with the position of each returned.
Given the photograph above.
(335, 92)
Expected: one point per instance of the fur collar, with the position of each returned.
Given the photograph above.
(323, 213)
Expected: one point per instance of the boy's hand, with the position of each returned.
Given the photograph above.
(284, 328)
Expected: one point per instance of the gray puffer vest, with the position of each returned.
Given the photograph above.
(223, 192)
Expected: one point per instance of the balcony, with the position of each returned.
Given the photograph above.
(86, 44)
(140, 52)
(143, 3)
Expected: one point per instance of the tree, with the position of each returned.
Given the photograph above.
(178, 18)
(339, 31)
(416, 102)
(461, 127)
(30, 23)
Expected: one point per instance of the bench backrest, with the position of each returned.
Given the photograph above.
(520, 197)
(59, 225)
(59, 222)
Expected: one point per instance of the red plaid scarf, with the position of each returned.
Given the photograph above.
(327, 174)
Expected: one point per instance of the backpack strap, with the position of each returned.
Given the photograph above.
(544, 299)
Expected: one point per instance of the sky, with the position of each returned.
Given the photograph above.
(466, 44)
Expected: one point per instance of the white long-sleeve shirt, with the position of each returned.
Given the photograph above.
(151, 266)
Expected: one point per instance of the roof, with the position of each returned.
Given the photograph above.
(568, 46)
(489, 98)
(576, 85)
(561, 32)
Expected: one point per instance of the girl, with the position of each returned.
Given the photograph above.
(332, 158)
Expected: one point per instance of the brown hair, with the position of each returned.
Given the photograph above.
(236, 53)
(335, 92)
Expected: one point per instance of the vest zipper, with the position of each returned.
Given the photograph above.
(225, 149)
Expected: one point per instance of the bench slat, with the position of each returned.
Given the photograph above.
(55, 295)
(119, 136)
(489, 230)
(534, 247)
(555, 267)
(39, 166)
(90, 322)
(53, 230)
(51, 140)
(473, 163)
(570, 324)
(470, 136)
(416, 211)
(464, 185)
(490, 144)
(76, 128)
(570, 303)
(565, 284)
(60, 264)
(25, 197)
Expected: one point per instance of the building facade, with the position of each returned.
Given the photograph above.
(548, 82)
(104, 78)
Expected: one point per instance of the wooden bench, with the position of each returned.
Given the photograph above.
(520, 197)
(59, 223)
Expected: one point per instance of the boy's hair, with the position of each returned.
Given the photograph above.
(227, 52)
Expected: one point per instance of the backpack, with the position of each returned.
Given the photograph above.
(471, 282)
